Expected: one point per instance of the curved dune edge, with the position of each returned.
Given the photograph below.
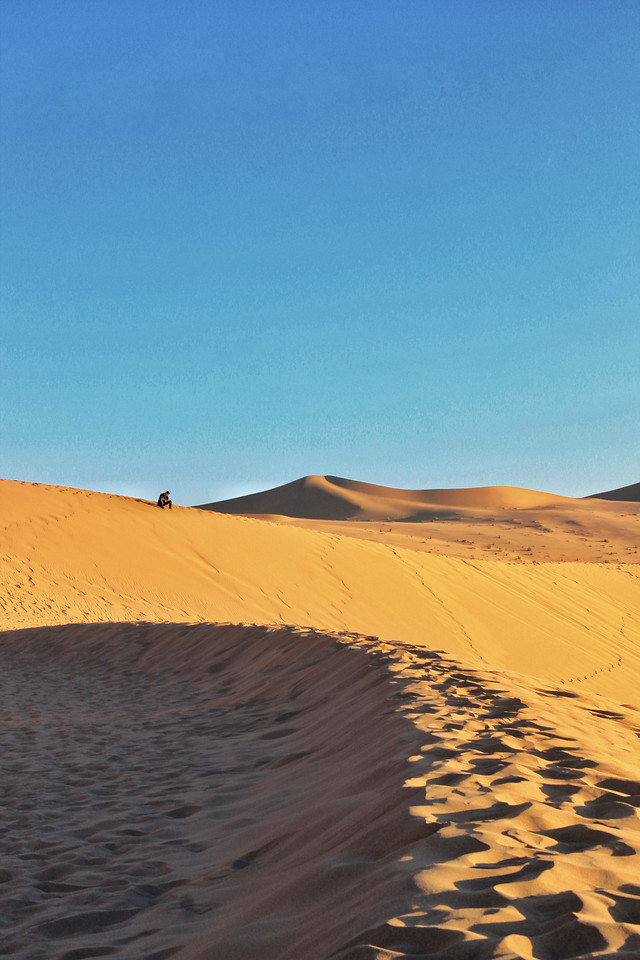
(228, 790)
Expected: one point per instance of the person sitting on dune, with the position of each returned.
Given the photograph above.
(164, 501)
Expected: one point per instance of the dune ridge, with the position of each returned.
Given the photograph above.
(260, 739)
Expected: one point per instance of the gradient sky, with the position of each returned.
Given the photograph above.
(391, 240)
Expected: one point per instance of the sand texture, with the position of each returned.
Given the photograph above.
(320, 735)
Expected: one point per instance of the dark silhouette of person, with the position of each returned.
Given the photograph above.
(164, 501)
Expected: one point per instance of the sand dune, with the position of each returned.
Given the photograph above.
(334, 498)
(76, 556)
(233, 737)
(629, 493)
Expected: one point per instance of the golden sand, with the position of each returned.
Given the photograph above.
(391, 724)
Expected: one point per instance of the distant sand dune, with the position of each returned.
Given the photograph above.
(334, 498)
(630, 493)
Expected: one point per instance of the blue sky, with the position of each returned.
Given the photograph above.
(390, 240)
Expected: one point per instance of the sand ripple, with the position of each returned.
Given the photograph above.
(537, 847)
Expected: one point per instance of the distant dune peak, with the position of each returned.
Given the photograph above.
(317, 497)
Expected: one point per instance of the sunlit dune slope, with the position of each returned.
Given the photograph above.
(77, 556)
(334, 498)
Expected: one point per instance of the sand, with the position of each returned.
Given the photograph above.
(316, 736)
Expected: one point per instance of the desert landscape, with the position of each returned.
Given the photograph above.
(328, 720)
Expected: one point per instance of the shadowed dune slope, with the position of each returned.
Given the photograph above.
(204, 791)
(308, 498)
(334, 498)
(631, 493)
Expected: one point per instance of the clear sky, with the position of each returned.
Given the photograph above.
(248, 240)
